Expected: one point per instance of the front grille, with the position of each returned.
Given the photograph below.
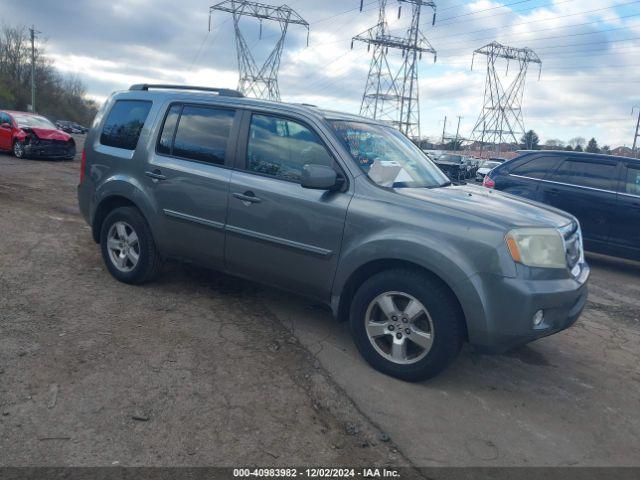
(43, 143)
(572, 244)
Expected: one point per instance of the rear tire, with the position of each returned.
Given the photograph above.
(379, 327)
(128, 248)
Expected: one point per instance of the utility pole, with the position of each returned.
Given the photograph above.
(259, 81)
(392, 94)
(635, 138)
(444, 128)
(455, 143)
(33, 32)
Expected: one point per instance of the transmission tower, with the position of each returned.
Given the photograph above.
(259, 81)
(501, 117)
(392, 95)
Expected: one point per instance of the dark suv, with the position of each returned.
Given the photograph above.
(602, 191)
(343, 209)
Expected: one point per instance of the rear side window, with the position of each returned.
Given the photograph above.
(202, 133)
(632, 185)
(281, 147)
(539, 167)
(586, 174)
(124, 124)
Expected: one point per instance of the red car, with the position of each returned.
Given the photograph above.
(29, 135)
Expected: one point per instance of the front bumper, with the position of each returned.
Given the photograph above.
(55, 151)
(509, 304)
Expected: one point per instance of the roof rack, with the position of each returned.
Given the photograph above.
(224, 92)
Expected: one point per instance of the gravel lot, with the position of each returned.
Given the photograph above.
(200, 368)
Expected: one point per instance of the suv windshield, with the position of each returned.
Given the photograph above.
(33, 121)
(388, 157)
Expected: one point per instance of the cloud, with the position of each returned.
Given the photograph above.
(588, 48)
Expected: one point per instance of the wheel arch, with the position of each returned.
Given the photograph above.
(373, 267)
(107, 205)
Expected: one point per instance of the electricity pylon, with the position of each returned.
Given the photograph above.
(254, 81)
(501, 117)
(393, 95)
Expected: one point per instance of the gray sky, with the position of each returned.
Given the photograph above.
(589, 48)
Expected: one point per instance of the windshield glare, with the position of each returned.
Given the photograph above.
(32, 121)
(388, 157)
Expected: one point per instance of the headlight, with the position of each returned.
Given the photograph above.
(537, 247)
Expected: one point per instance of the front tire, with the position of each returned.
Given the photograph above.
(128, 248)
(18, 149)
(406, 324)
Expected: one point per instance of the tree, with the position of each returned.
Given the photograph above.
(58, 96)
(568, 148)
(578, 148)
(606, 149)
(454, 144)
(577, 142)
(554, 143)
(592, 147)
(530, 140)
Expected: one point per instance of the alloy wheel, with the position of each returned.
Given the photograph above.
(18, 149)
(123, 246)
(399, 327)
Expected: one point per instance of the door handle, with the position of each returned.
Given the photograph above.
(156, 175)
(554, 192)
(247, 197)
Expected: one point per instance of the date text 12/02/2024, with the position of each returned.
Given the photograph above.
(317, 472)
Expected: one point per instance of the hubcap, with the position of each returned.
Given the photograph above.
(123, 246)
(17, 149)
(399, 327)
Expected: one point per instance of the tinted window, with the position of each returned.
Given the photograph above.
(586, 174)
(203, 134)
(632, 185)
(4, 118)
(538, 167)
(166, 138)
(124, 124)
(282, 147)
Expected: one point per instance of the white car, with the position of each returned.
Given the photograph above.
(485, 168)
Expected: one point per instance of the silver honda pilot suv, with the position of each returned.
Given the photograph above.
(343, 209)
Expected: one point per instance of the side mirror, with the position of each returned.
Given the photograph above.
(319, 177)
(5, 125)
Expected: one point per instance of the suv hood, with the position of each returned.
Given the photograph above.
(493, 205)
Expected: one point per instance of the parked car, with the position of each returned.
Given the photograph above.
(340, 208)
(71, 127)
(33, 136)
(454, 166)
(485, 167)
(602, 191)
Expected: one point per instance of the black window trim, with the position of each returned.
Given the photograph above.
(243, 145)
(229, 153)
(106, 118)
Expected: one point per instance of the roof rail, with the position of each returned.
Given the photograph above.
(224, 92)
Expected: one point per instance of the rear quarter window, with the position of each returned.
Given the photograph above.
(124, 123)
(538, 167)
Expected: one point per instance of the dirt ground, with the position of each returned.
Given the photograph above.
(199, 368)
